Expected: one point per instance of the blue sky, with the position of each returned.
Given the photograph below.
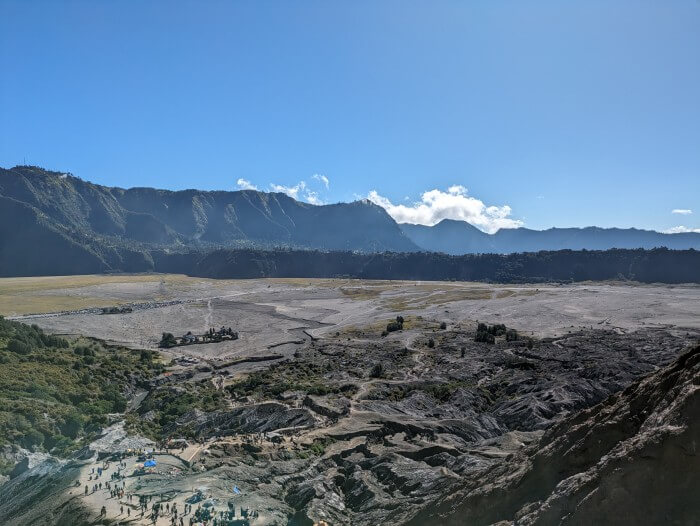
(504, 113)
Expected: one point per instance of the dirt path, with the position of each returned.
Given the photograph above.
(126, 509)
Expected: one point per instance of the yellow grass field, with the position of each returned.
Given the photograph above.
(46, 294)
(34, 295)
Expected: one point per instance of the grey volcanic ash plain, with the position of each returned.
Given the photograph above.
(585, 412)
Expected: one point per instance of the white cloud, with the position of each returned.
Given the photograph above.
(291, 191)
(243, 184)
(681, 230)
(312, 197)
(321, 178)
(436, 205)
(682, 211)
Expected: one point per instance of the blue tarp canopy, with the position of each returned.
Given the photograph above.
(149, 463)
(236, 490)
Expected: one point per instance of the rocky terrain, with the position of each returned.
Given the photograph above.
(632, 459)
(327, 408)
(360, 427)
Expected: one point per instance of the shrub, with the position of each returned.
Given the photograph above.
(443, 325)
(497, 330)
(440, 392)
(53, 398)
(487, 334)
(431, 343)
(19, 347)
(83, 350)
(168, 340)
(484, 337)
(53, 341)
(318, 448)
(377, 371)
(32, 439)
(530, 343)
(72, 425)
(394, 326)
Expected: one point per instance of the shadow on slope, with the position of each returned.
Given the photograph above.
(632, 459)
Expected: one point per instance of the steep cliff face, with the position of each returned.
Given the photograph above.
(30, 245)
(633, 459)
(87, 228)
(163, 217)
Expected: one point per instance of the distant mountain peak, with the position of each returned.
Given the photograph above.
(121, 217)
(459, 237)
(222, 218)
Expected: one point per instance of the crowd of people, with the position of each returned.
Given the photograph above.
(133, 506)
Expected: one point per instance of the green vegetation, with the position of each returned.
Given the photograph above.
(484, 337)
(291, 376)
(318, 447)
(441, 391)
(487, 333)
(497, 330)
(55, 395)
(657, 265)
(377, 371)
(168, 340)
(395, 325)
(166, 404)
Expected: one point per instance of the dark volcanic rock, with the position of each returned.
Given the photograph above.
(632, 459)
(259, 418)
(327, 406)
(39, 496)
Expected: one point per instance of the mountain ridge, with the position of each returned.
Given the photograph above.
(191, 217)
(87, 227)
(458, 237)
